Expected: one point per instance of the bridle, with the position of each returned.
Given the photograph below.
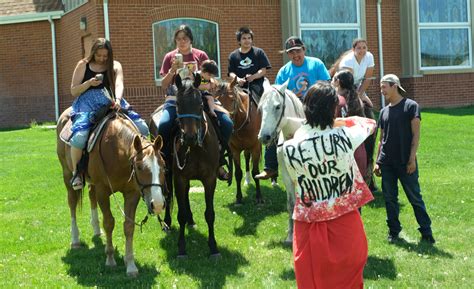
(277, 129)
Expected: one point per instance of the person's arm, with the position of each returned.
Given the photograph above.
(377, 171)
(240, 81)
(415, 131)
(77, 86)
(260, 73)
(118, 82)
(365, 83)
(169, 76)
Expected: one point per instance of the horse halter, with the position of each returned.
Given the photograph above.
(277, 131)
(142, 186)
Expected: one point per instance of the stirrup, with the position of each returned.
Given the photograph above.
(76, 182)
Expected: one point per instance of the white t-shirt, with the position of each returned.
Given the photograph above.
(359, 69)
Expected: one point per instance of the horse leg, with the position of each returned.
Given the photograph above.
(290, 194)
(169, 197)
(256, 153)
(180, 191)
(131, 203)
(238, 176)
(209, 188)
(108, 223)
(94, 211)
(189, 213)
(247, 167)
(73, 197)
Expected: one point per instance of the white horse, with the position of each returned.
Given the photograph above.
(282, 114)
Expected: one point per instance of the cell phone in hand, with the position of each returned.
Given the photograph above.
(99, 77)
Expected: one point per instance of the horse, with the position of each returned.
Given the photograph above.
(282, 114)
(196, 157)
(246, 117)
(122, 160)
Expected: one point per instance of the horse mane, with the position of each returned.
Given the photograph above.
(297, 104)
(126, 131)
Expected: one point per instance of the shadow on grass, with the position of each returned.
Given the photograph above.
(252, 213)
(422, 248)
(377, 268)
(6, 129)
(378, 201)
(87, 266)
(210, 273)
(288, 275)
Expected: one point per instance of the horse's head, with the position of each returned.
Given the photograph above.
(272, 106)
(231, 97)
(149, 170)
(189, 108)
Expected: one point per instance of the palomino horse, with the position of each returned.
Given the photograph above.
(282, 113)
(122, 160)
(196, 157)
(247, 119)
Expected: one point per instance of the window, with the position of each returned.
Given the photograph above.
(205, 34)
(444, 31)
(72, 4)
(327, 27)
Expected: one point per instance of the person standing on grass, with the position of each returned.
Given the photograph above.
(329, 242)
(399, 124)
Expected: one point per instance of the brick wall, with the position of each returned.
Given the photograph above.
(26, 73)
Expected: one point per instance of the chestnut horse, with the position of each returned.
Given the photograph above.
(122, 160)
(246, 117)
(195, 157)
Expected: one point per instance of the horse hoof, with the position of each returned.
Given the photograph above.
(75, 245)
(192, 226)
(182, 256)
(215, 256)
(238, 202)
(167, 230)
(133, 274)
(288, 242)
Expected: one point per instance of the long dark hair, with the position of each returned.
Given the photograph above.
(186, 30)
(100, 43)
(320, 105)
(346, 82)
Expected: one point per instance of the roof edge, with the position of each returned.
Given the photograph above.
(31, 17)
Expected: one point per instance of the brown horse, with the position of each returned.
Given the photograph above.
(247, 119)
(195, 157)
(122, 160)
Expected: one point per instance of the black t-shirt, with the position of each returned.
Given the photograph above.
(395, 121)
(88, 74)
(248, 63)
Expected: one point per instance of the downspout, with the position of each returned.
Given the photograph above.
(55, 70)
(106, 19)
(379, 28)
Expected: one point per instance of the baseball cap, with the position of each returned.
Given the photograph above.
(293, 43)
(393, 79)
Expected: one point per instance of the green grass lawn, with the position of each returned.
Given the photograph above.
(35, 225)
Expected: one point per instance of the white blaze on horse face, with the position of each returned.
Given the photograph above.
(157, 198)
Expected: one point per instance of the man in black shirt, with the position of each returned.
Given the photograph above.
(248, 63)
(399, 124)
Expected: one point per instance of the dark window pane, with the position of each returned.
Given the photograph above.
(327, 45)
(432, 11)
(328, 11)
(444, 47)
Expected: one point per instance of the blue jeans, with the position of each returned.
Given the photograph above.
(168, 118)
(390, 176)
(271, 160)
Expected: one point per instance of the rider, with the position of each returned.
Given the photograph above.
(248, 63)
(301, 72)
(193, 58)
(97, 82)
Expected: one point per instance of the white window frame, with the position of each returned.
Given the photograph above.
(158, 77)
(444, 25)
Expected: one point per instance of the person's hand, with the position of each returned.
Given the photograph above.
(116, 104)
(377, 170)
(241, 81)
(174, 65)
(411, 166)
(94, 81)
(249, 77)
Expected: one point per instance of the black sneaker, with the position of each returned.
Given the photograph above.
(392, 238)
(428, 239)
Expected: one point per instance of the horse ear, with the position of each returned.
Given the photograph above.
(137, 143)
(266, 84)
(284, 86)
(234, 82)
(158, 143)
(178, 81)
(197, 80)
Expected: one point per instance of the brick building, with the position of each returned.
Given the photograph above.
(427, 43)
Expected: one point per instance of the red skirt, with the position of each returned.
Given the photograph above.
(330, 254)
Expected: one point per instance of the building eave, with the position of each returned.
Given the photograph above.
(30, 17)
